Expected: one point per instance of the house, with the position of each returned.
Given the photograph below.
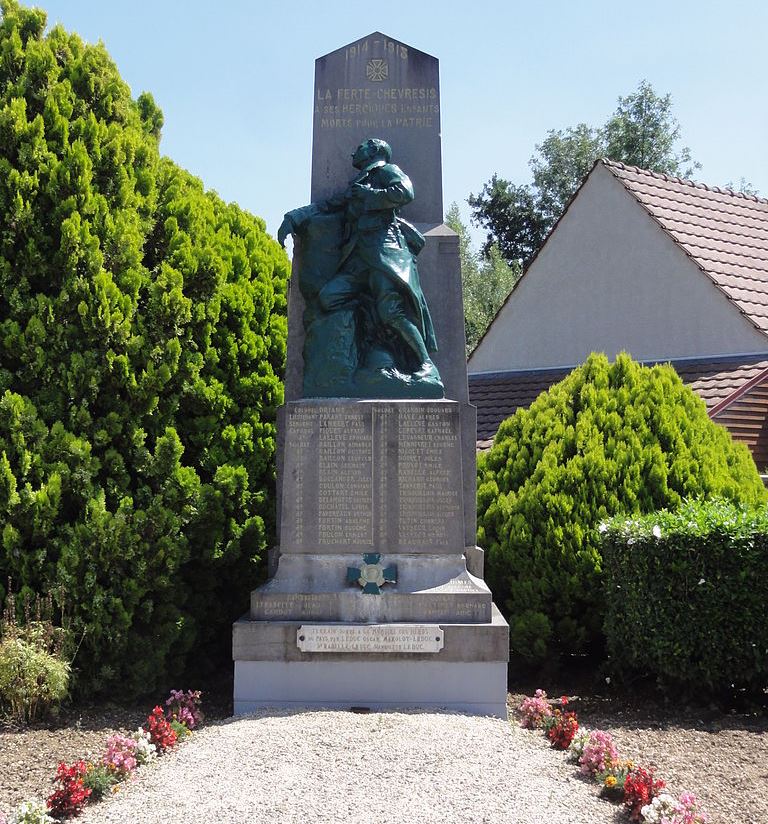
(666, 269)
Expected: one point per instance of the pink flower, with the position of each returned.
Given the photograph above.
(121, 754)
(534, 710)
(185, 707)
(690, 810)
(598, 753)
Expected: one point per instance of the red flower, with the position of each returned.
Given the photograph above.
(561, 728)
(160, 731)
(640, 788)
(72, 795)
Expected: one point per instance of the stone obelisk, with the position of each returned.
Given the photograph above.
(376, 597)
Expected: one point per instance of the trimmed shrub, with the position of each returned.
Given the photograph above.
(686, 596)
(609, 439)
(142, 335)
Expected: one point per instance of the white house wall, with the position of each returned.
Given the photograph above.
(610, 279)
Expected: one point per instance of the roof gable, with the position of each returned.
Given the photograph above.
(725, 233)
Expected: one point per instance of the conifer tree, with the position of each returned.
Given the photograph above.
(609, 439)
(142, 335)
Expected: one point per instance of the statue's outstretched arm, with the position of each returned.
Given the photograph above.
(296, 221)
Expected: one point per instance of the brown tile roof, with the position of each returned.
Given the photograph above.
(718, 380)
(725, 233)
(498, 395)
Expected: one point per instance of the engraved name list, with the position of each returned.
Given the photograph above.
(372, 477)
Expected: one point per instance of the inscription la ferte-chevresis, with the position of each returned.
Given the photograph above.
(377, 103)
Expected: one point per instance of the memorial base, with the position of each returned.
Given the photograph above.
(476, 689)
(372, 602)
(467, 674)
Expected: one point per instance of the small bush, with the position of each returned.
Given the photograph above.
(121, 755)
(561, 727)
(185, 707)
(686, 595)
(99, 779)
(182, 730)
(609, 439)
(34, 674)
(146, 751)
(640, 788)
(598, 753)
(71, 794)
(161, 733)
(31, 679)
(535, 710)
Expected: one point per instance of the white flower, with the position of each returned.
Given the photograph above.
(602, 528)
(701, 581)
(145, 749)
(656, 531)
(31, 812)
(648, 814)
(663, 807)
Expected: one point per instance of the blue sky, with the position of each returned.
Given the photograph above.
(234, 79)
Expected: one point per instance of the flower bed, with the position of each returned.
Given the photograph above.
(83, 783)
(620, 780)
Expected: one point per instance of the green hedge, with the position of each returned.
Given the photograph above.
(142, 339)
(686, 595)
(610, 438)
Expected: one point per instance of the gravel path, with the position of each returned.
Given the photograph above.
(341, 767)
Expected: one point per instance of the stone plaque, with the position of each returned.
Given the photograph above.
(429, 491)
(329, 477)
(372, 477)
(413, 638)
(379, 87)
(442, 607)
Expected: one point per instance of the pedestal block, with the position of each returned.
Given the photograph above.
(468, 674)
(372, 540)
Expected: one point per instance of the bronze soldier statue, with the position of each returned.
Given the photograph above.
(358, 275)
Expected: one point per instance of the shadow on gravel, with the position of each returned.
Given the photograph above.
(98, 718)
(600, 704)
(280, 712)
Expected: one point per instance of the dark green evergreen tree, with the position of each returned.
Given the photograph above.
(142, 335)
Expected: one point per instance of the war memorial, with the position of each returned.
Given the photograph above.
(376, 597)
